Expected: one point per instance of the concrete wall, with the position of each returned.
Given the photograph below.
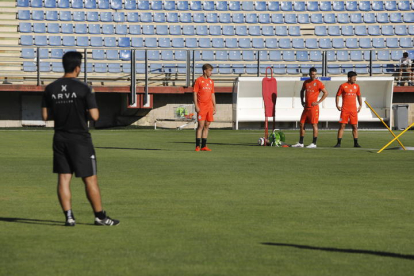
(113, 111)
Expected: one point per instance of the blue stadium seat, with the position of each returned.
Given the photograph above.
(273, 6)
(22, 3)
(106, 16)
(241, 30)
(92, 16)
(29, 66)
(320, 31)
(298, 43)
(28, 53)
(36, 3)
(218, 43)
(396, 18)
(162, 30)
(178, 42)
(56, 53)
(312, 6)
(23, 15)
(254, 30)
(180, 55)
(44, 67)
(299, 6)
(51, 15)
(124, 42)
(260, 6)
(325, 6)
(347, 30)
(294, 30)
(170, 68)
(281, 31)
(378, 5)
(78, 4)
(130, 4)
(110, 41)
(263, 55)
(248, 55)
(238, 18)
(199, 18)
(251, 18)
(292, 69)
(365, 42)
(191, 43)
(277, 18)
(65, 16)
(169, 5)
(408, 17)
(143, 5)
(338, 43)
(235, 55)
(411, 29)
(207, 55)
(286, 6)
(325, 43)
(55, 40)
(121, 29)
(271, 43)
(391, 5)
(182, 6)
(151, 42)
(81, 29)
(290, 18)
(275, 55)
(100, 68)
(228, 30)
(195, 5)
(145, 17)
(68, 41)
(212, 17)
(351, 5)
(364, 5)
(396, 55)
(208, 5)
(108, 29)
(245, 43)
(148, 30)
(343, 18)
(221, 6)
(329, 18)
(387, 30)
(334, 31)
(383, 55)
(94, 28)
(311, 43)
(67, 28)
(247, 6)
(82, 41)
(204, 42)
(315, 55)
(231, 42)
(251, 69)
(114, 68)
(334, 69)
(382, 18)
(351, 43)
(369, 18)
(302, 56)
(316, 18)
(356, 56)
(153, 55)
(345, 68)
(137, 42)
(188, 30)
(222, 55)
(258, 43)
(224, 17)
(338, 6)
(288, 56)
(378, 42)
(164, 42)
(103, 4)
(53, 28)
(119, 16)
(224, 68)
(406, 42)
(361, 30)
(404, 5)
(89, 4)
(303, 18)
(167, 55)
(374, 30)
(238, 69)
(285, 43)
(215, 30)
(172, 17)
(25, 27)
(401, 30)
(268, 31)
(388, 68)
(79, 16)
(185, 17)
(156, 5)
(279, 69)
(342, 55)
(356, 18)
(367, 55)
(38, 15)
(63, 4)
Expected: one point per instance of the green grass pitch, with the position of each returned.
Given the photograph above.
(238, 210)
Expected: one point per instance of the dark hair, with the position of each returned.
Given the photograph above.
(71, 60)
(312, 69)
(207, 66)
(352, 74)
(405, 54)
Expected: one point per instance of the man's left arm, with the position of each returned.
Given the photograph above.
(45, 113)
(213, 99)
(360, 102)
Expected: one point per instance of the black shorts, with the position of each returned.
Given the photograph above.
(74, 153)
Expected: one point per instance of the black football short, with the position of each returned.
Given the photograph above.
(74, 153)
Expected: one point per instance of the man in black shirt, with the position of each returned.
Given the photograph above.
(69, 102)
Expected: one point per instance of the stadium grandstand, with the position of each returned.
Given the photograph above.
(156, 48)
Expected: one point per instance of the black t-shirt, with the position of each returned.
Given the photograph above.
(69, 101)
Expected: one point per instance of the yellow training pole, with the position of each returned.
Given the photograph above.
(396, 137)
(370, 107)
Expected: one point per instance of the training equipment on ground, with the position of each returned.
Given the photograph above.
(382, 121)
(396, 138)
(276, 139)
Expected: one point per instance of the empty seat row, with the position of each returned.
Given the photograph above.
(271, 43)
(204, 30)
(372, 30)
(222, 5)
(250, 18)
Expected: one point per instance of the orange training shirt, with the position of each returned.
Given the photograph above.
(204, 89)
(312, 90)
(349, 94)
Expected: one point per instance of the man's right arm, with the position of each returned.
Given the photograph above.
(302, 95)
(45, 113)
(94, 113)
(197, 109)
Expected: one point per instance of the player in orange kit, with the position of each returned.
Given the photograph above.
(349, 111)
(310, 91)
(205, 106)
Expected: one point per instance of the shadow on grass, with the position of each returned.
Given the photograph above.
(38, 221)
(220, 144)
(124, 148)
(352, 251)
